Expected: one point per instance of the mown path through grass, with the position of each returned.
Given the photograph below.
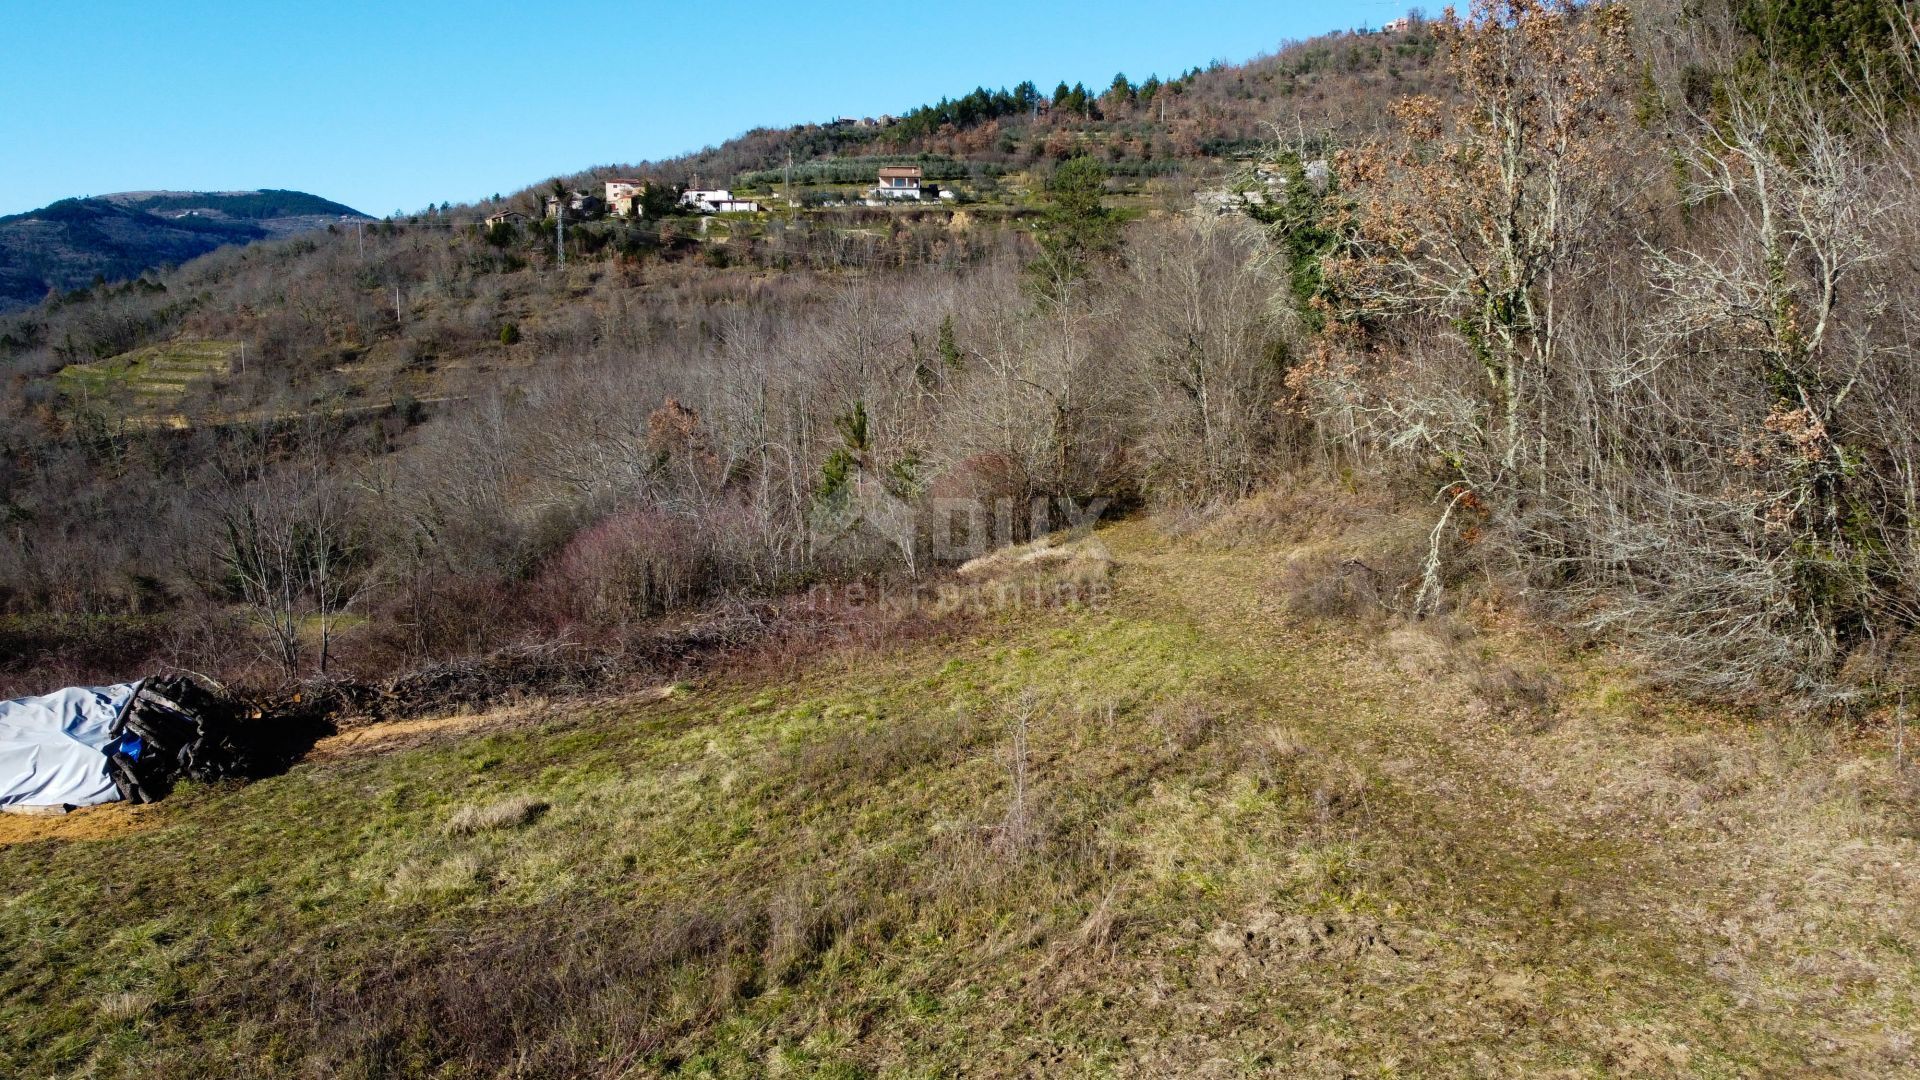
(1521, 920)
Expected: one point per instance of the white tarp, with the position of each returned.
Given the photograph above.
(53, 748)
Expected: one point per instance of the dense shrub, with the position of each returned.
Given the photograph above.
(632, 565)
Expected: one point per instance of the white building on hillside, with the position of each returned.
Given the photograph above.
(624, 193)
(717, 201)
(579, 205)
(698, 198)
(899, 182)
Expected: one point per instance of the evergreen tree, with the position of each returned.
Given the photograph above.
(839, 472)
(1077, 99)
(1077, 226)
(656, 201)
(1826, 41)
(1305, 222)
(948, 345)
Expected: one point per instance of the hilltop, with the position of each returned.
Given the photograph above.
(1310, 94)
(74, 242)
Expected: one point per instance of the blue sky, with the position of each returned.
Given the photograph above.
(398, 105)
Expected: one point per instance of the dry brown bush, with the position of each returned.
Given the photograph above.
(1515, 693)
(506, 814)
(1691, 431)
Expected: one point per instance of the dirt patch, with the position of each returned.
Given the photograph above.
(1055, 551)
(401, 734)
(101, 822)
(392, 735)
(1268, 937)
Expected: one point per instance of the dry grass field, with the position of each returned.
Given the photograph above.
(1190, 824)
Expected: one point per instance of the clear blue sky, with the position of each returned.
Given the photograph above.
(387, 106)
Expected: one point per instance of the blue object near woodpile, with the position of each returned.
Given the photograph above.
(132, 741)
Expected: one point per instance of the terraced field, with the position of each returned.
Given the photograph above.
(148, 384)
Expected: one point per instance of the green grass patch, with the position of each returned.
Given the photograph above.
(151, 379)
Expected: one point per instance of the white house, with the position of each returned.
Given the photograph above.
(899, 182)
(1395, 26)
(698, 198)
(716, 201)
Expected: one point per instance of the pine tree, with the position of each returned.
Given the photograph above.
(1077, 226)
(949, 347)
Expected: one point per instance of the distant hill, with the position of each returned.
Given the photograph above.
(73, 241)
(1309, 94)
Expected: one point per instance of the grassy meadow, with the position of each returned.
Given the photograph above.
(1184, 829)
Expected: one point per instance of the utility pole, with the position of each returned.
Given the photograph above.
(360, 234)
(396, 304)
(560, 229)
(789, 177)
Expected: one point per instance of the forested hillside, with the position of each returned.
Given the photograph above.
(377, 350)
(1616, 289)
(1332, 87)
(75, 243)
